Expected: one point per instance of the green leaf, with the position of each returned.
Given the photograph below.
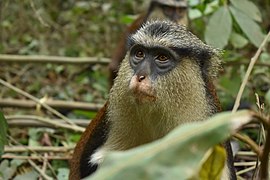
(237, 40)
(267, 98)
(63, 173)
(212, 168)
(27, 175)
(249, 8)
(219, 28)
(127, 19)
(179, 154)
(194, 13)
(8, 169)
(248, 26)
(3, 132)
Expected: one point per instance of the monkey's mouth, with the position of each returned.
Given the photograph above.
(143, 93)
(143, 97)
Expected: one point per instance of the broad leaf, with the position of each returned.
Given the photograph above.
(219, 28)
(180, 154)
(3, 132)
(212, 168)
(237, 40)
(249, 8)
(248, 26)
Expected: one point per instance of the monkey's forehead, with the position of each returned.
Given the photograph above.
(168, 34)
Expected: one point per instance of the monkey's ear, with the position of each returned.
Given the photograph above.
(214, 63)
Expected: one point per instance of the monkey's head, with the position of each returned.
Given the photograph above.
(165, 60)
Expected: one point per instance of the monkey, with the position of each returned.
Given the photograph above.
(173, 10)
(165, 80)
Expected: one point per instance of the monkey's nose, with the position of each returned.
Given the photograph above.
(141, 78)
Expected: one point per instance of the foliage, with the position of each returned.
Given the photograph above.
(93, 28)
(181, 153)
(235, 26)
(246, 15)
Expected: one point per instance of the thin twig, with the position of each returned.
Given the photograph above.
(77, 128)
(57, 104)
(11, 156)
(246, 153)
(13, 149)
(45, 176)
(245, 170)
(44, 165)
(37, 155)
(250, 67)
(57, 124)
(249, 142)
(54, 59)
(33, 121)
(38, 15)
(252, 163)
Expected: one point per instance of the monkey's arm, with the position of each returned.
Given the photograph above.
(94, 136)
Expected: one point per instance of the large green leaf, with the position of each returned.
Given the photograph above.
(248, 26)
(3, 132)
(249, 8)
(180, 154)
(219, 28)
(237, 40)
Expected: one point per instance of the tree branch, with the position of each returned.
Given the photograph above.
(56, 104)
(12, 149)
(56, 124)
(10, 156)
(53, 59)
(33, 121)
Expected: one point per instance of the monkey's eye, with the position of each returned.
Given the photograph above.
(162, 58)
(139, 54)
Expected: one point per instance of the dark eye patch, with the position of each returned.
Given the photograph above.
(139, 54)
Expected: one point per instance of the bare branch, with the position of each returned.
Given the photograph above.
(75, 127)
(38, 15)
(250, 143)
(33, 121)
(57, 104)
(55, 124)
(250, 67)
(53, 59)
(45, 176)
(12, 149)
(11, 156)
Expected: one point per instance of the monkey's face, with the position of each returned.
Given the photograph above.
(164, 61)
(148, 63)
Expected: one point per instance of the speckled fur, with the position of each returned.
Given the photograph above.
(181, 93)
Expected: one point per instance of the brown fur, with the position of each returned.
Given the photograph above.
(82, 145)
